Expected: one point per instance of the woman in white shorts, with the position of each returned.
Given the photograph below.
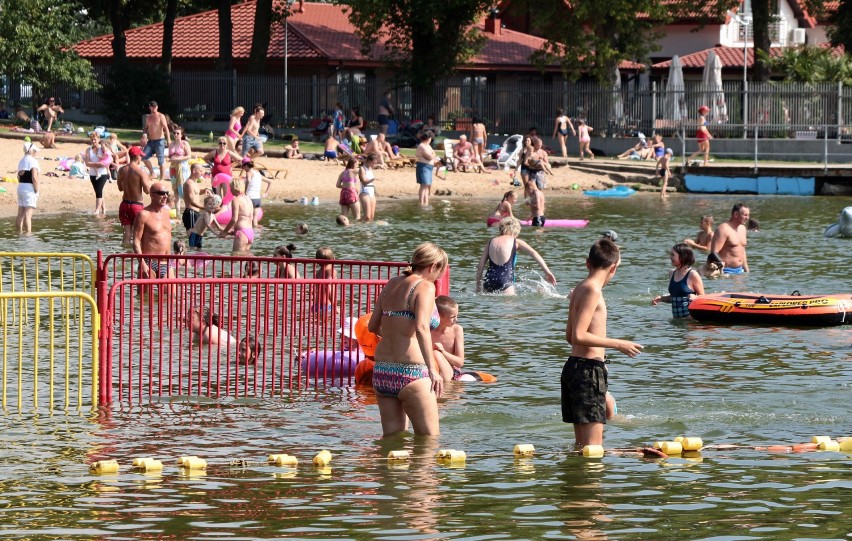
(28, 179)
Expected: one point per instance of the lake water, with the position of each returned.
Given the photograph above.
(741, 385)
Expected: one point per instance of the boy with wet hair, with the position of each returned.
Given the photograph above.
(584, 376)
(448, 339)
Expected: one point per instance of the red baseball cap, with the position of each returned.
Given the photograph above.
(136, 151)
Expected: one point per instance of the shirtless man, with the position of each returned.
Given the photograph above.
(251, 133)
(152, 233)
(463, 153)
(385, 112)
(584, 376)
(132, 182)
(193, 198)
(537, 218)
(240, 225)
(730, 239)
(157, 130)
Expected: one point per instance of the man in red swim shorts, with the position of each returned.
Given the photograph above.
(132, 182)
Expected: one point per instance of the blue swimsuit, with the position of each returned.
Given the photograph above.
(500, 277)
(680, 292)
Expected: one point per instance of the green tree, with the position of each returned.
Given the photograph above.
(809, 64)
(840, 30)
(35, 45)
(424, 39)
(593, 36)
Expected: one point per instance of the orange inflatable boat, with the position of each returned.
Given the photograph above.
(799, 310)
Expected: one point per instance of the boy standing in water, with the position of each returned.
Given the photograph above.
(584, 376)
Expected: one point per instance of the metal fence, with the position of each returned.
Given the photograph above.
(507, 106)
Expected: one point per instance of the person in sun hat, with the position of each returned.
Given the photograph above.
(702, 136)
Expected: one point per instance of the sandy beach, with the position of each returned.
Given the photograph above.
(304, 178)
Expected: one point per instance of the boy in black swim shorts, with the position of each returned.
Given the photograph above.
(584, 377)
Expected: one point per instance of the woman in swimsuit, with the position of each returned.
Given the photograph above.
(368, 188)
(478, 136)
(500, 255)
(702, 136)
(504, 208)
(407, 384)
(241, 219)
(232, 134)
(347, 182)
(560, 130)
(684, 282)
(221, 158)
(179, 155)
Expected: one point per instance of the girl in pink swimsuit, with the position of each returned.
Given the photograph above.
(585, 140)
(234, 126)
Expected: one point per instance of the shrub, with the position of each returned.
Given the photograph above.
(128, 90)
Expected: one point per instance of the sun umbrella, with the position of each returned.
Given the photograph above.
(617, 100)
(714, 96)
(675, 98)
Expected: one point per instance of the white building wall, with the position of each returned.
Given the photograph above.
(679, 39)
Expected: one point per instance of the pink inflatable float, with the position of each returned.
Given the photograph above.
(223, 217)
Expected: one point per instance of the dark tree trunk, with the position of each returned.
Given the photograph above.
(169, 35)
(119, 41)
(226, 37)
(261, 36)
(760, 25)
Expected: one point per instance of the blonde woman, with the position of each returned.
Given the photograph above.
(242, 212)
(179, 154)
(232, 134)
(406, 383)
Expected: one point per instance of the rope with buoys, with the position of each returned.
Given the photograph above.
(685, 447)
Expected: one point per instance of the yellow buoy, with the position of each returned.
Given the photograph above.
(398, 455)
(829, 445)
(593, 451)
(524, 449)
(820, 439)
(671, 448)
(194, 463)
(104, 466)
(182, 459)
(284, 459)
(679, 439)
(691, 444)
(657, 445)
(451, 455)
(846, 445)
(322, 458)
(147, 464)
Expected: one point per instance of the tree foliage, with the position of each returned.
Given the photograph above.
(840, 31)
(129, 89)
(424, 39)
(35, 45)
(593, 36)
(809, 64)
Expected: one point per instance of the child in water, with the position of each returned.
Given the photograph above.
(684, 282)
(248, 350)
(704, 238)
(324, 296)
(206, 220)
(448, 339)
(286, 270)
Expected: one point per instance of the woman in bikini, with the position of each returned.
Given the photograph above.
(232, 134)
(406, 383)
(500, 255)
(504, 208)
(241, 219)
(560, 130)
(179, 155)
(347, 182)
(478, 137)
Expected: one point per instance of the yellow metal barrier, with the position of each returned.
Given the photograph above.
(68, 322)
(44, 271)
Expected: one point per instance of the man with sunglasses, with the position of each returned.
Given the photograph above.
(152, 233)
(157, 129)
(132, 182)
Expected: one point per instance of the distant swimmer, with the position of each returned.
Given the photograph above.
(730, 240)
(704, 238)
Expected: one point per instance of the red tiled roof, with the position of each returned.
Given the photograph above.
(323, 31)
(731, 57)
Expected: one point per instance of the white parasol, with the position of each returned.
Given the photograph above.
(714, 95)
(675, 94)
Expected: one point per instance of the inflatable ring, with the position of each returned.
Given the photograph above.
(330, 364)
(366, 339)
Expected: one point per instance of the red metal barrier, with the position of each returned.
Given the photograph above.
(147, 348)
